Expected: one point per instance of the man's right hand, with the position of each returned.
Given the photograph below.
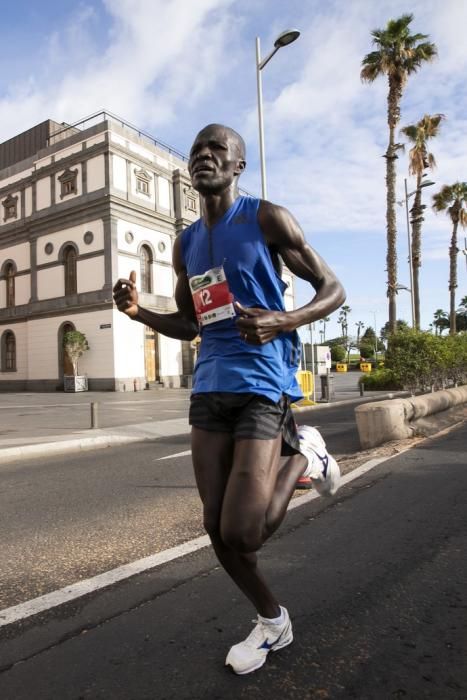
(126, 296)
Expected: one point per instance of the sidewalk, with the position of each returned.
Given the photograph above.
(33, 425)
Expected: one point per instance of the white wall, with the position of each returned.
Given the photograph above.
(142, 234)
(22, 289)
(76, 148)
(128, 346)
(90, 274)
(43, 195)
(163, 280)
(43, 345)
(19, 253)
(170, 356)
(50, 283)
(75, 234)
(14, 178)
(28, 201)
(95, 173)
(289, 296)
(163, 198)
(95, 139)
(119, 173)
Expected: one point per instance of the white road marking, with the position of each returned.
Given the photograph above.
(177, 454)
(90, 585)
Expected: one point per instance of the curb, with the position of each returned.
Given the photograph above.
(344, 402)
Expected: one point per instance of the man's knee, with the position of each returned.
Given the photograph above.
(242, 539)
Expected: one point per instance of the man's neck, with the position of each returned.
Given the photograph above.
(215, 205)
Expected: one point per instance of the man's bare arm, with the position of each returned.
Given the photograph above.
(284, 235)
(181, 324)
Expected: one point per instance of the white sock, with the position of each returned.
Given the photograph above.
(274, 620)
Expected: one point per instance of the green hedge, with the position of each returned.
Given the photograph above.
(421, 361)
(380, 379)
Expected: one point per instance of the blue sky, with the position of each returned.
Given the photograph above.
(171, 66)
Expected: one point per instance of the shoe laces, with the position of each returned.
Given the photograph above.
(257, 635)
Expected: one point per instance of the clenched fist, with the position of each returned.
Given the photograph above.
(126, 296)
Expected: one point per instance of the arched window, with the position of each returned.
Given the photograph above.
(69, 263)
(8, 352)
(10, 284)
(145, 269)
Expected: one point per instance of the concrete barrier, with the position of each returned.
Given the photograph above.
(397, 419)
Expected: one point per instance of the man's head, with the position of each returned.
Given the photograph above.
(217, 159)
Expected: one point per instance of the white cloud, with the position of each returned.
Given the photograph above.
(169, 66)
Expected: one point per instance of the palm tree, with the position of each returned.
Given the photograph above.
(342, 320)
(399, 54)
(324, 320)
(440, 321)
(453, 200)
(359, 325)
(419, 160)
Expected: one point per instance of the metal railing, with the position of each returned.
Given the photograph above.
(104, 115)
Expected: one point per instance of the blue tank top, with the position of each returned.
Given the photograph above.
(225, 361)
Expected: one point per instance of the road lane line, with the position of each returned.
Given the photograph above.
(90, 585)
(177, 454)
(76, 590)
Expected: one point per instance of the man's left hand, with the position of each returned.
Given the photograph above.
(260, 326)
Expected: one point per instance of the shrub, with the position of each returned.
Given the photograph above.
(367, 351)
(380, 379)
(338, 353)
(420, 360)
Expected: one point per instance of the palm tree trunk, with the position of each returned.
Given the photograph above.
(417, 219)
(394, 96)
(453, 276)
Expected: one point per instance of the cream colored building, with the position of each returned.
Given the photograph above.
(81, 206)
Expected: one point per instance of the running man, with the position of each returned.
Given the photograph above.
(247, 455)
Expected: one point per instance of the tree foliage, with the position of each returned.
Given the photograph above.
(421, 361)
(452, 199)
(397, 55)
(75, 344)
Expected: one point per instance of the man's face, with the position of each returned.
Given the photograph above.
(215, 160)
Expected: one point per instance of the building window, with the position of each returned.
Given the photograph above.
(68, 182)
(190, 199)
(143, 180)
(8, 352)
(10, 208)
(10, 284)
(69, 264)
(145, 269)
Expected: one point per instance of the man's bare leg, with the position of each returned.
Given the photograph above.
(236, 482)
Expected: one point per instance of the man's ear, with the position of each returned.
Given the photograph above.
(241, 165)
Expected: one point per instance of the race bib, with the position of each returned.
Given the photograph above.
(211, 296)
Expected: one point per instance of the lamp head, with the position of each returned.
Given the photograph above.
(286, 37)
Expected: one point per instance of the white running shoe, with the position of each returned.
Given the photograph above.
(322, 468)
(249, 655)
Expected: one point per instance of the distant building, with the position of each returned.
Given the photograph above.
(81, 206)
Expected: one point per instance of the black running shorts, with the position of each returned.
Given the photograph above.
(246, 417)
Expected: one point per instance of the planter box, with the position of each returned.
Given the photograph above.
(78, 383)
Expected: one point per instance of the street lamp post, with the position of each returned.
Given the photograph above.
(409, 245)
(283, 39)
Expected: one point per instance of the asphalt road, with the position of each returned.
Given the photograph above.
(375, 580)
(70, 517)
